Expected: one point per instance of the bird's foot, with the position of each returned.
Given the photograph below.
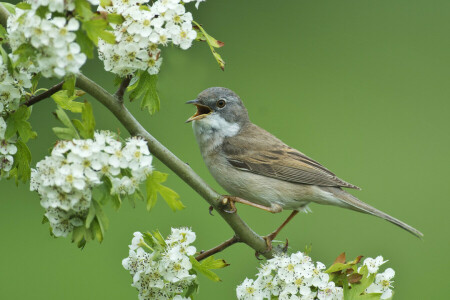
(228, 204)
(269, 238)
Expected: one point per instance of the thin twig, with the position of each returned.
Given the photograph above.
(44, 95)
(122, 88)
(219, 248)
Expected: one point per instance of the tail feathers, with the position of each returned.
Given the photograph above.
(357, 205)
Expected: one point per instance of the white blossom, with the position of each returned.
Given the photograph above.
(65, 179)
(374, 263)
(290, 277)
(138, 38)
(163, 273)
(51, 39)
(383, 284)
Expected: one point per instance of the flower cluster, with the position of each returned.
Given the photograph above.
(7, 149)
(290, 277)
(161, 271)
(12, 88)
(57, 5)
(383, 281)
(50, 42)
(65, 179)
(144, 29)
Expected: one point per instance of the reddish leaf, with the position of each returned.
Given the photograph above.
(340, 258)
(355, 277)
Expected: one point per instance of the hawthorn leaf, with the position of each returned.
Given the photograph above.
(154, 186)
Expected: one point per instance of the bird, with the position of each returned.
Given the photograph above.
(260, 170)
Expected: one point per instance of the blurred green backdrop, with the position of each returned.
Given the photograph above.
(361, 86)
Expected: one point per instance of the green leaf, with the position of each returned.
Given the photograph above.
(91, 215)
(25, 53)
(86, 126)
(63, 100)
(22, 160)
(7, 61)
(23, 5)
(69, 84)
(105, 3)
(17, 122)
(202, 269)
(96, 29)
(97, 230)
(83, 8)
(115, 19)
(212, 42)
(86, 45)
(3, 34)
(153, 186)
(11, 8)
(211, 263)
(35, 82)
(67, 133)
(146, 89)
(356, 289)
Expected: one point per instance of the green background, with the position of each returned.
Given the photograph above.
(361, 86)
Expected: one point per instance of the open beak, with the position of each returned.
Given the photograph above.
(202, 111)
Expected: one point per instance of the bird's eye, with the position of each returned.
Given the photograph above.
(220, 103)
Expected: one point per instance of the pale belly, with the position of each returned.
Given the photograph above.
(260, 189)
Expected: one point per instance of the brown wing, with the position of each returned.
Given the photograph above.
(261, 153)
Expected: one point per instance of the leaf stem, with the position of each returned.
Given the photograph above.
(219, 248)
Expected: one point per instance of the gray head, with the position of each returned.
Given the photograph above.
(219, 103)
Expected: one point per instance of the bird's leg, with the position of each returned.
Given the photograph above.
(269, 238)
(230, 201)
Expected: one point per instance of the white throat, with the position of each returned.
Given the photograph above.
(211, 130)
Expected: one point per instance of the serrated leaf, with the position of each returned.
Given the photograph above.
(158, 236)
(63, 100)
(69, 84)
(115, 19)
(153, 186)
(96, 28)
(78, 234)
(17, 122)
(86, 45)
(145, 90)
(201, 269)
(69, 132)
(83, 8)
(22, 160)
(356, 289)
(212, 42)
(211, 263)
(11, 8)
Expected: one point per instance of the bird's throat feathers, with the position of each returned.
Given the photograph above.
(211, 131)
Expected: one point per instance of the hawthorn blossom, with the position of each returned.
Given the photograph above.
(383, 284)
(65, 179)
(146, 26)
(161, 272)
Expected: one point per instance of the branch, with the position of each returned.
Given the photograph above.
(219, 248)
(123, 86)
(184, 171)
(44, 95)
(241, 229)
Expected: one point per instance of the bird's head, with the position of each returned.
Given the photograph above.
(218, 108)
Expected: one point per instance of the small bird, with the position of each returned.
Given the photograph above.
(260, 170)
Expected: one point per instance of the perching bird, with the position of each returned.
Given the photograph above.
(252, 164)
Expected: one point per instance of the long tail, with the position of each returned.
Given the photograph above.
(357, 205)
